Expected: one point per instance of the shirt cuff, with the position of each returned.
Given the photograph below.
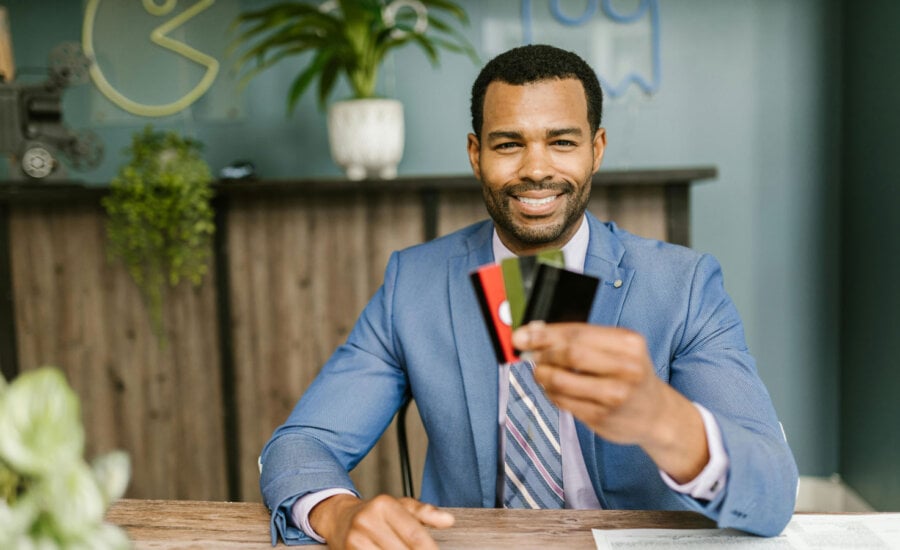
(710, 482)
(304, 505)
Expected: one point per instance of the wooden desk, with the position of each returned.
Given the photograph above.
(171, 524)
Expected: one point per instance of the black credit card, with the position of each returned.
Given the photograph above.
(560, 296)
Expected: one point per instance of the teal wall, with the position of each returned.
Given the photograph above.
(870, 320)
(747, 86)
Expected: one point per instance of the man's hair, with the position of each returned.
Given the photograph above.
(535, 63)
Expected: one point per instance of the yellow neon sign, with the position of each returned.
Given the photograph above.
(159, 37)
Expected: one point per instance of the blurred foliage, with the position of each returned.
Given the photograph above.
(49, 497)
(160, 221)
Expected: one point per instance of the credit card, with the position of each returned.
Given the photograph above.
(518, 277)
(560, 296)
(491, 292)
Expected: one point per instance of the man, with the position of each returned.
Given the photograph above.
(659, 403)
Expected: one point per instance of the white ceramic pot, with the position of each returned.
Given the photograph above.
(366, 137)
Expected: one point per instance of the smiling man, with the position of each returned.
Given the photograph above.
(655, 403)
(535, 157)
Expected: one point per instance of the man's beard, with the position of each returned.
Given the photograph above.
(497, 203)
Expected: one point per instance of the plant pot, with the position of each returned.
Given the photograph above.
(366, 137)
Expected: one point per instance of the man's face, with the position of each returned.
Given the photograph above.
(535, 159)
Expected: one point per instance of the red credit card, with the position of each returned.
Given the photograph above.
(488, 283)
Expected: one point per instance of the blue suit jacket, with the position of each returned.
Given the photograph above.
(422, 334)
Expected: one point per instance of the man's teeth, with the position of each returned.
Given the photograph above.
(537, 202)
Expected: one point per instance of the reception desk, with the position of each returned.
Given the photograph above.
(294, 264)
(170, 525)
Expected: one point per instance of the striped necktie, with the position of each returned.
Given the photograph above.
(533, 462)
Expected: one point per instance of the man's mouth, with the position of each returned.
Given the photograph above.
(537, 202)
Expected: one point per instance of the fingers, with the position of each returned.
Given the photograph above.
(603, 390)
(429, 515)
(389, 523)
(585, 348)
(602, 375)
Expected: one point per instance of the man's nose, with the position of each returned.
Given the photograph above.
(536, 165)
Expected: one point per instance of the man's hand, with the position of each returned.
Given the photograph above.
(345, 521)
(604, 376)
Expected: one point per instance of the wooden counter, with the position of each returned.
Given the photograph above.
(170, 525)
(294, 264)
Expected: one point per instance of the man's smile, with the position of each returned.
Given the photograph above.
(538, 203)
(534, 201)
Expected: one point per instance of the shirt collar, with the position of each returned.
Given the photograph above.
(574, 251)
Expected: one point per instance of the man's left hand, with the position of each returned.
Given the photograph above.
(604, 376)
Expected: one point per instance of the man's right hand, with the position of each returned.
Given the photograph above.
(345, 521)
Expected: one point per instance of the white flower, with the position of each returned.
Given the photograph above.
(49, 498)
(112, 472)
(106, 537)
(15, 521)
(40, 423)
(72, 500)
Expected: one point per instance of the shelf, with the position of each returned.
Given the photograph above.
(41, 192)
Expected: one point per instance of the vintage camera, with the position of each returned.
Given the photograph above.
(31, 121)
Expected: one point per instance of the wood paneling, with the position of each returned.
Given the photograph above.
(76, 311)
(301, 272)
(639, 210)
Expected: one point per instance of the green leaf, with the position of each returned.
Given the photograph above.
(455, 9)
(326, 82)
(304, 79)
(427, 46)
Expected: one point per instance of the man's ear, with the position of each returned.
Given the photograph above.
(473, 147)
(599, 145)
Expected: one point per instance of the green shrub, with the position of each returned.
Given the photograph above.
(160, 220)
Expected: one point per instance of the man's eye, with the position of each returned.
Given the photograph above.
(507, 145)
(564, 143)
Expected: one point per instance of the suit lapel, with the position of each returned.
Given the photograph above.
(603, 260)
(477, 361)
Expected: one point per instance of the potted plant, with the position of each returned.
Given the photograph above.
(160, 222)
(351, 38)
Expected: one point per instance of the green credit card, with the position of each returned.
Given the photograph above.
(518, 278)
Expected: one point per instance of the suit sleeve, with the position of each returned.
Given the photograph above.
(339, 418)
(712, 366)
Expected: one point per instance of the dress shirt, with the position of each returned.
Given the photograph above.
(579, 493)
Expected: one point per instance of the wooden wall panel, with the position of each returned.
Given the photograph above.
(76, 311)
(301, 272)
(639, 210)
(458, 209)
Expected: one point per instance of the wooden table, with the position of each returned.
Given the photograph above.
(170, 524)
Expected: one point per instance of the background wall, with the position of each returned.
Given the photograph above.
(870, 320)
(750, 87)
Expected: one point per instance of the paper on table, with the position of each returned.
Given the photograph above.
(805, 531)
